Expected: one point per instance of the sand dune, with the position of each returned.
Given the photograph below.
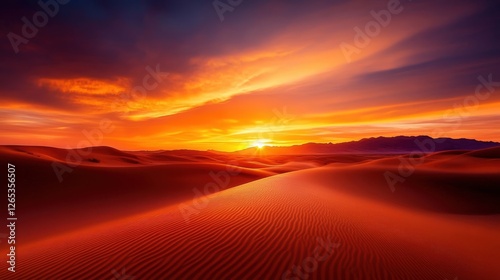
(110, 189)
(334, 218)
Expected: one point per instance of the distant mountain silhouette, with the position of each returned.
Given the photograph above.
(383, 145)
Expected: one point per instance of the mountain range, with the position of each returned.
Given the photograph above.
(377, 145)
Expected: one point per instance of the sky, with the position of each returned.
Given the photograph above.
(231, 74)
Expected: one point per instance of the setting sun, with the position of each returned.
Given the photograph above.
(259, 143)
(238, 139)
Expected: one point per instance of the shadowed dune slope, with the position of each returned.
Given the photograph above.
(262, 229)
(98, 192)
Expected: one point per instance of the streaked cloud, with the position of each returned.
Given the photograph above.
(226, 79)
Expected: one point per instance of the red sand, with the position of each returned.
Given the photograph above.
(121, 216)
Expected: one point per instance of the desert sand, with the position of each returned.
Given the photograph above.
(134, 215)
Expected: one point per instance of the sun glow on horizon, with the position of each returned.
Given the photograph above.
(261, 143)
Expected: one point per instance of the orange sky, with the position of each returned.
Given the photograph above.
(280, 78)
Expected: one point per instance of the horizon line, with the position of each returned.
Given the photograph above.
(252, 147)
